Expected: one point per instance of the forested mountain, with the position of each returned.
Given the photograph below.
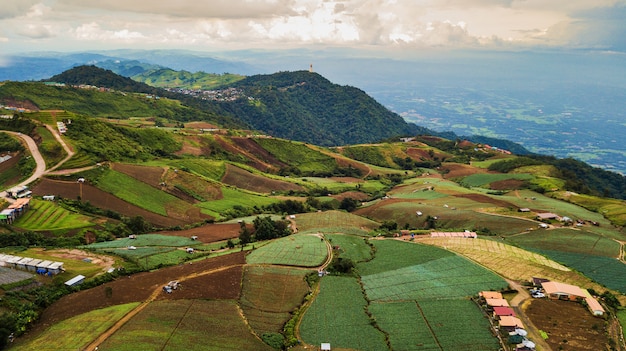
(307, 107)
(301, 106)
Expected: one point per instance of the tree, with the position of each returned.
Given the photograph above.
(245, 236)
(349, 204)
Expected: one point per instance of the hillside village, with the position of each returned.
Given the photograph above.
(138, 226)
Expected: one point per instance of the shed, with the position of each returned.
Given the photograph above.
(325, 346)
(562, 291)
(510, 323)
(500, 311)
(594, 306)
(21, 264)
(55, 267)
(32, 265)
(11, 261)
(490, 294)
(547, 215)
(76, 280)
(497, 302)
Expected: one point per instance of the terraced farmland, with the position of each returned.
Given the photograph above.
(48, 216)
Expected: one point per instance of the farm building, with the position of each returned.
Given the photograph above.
(500, 311)
(561, 291)
(18, 191)
(325, 346)
(11, 261)
(497, 303)
(465, 234)
(21, 264)
(490, 295)
(77, 280)
(55, 267)
(20, 205)
(538, 281)
(510, 323)
(7, 215)
(547, 216)
(32, 265)
(594, 306)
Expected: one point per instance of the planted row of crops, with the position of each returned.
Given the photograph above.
(607, 271)
(302, 250)
(415, 294)
(47, 215)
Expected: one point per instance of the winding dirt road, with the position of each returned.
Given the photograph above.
(34, 151)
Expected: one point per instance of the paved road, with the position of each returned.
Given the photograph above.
(34, 151)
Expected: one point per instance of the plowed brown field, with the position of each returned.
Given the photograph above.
(570, 326)
(209, 233)
(223, 284)
(246, 180)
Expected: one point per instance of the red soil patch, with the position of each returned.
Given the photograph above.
(104, 200)
(147, 174)
(225, 284)
(418, 154)
(246, 180)
(455, 170)
(486, 199)
(140, 286)
(261, 158)
(193, 145)
(570, 326)
(209, 233)
(464, 144)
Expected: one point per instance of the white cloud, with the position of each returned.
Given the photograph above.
(15, 8)
(35, 31)
(270, 23)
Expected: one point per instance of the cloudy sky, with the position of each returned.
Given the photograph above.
(74, 25)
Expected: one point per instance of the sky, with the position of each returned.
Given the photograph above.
(384, 25)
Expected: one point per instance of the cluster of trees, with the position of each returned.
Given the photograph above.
(265, 228)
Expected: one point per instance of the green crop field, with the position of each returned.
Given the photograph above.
(459, 325)
(270, 294)
(233, 197)
(568, 240)
(434, 325)
(394, 254)
(447, 277)
(407, 328)
(79, 160)
(298, 155)
(334, 219)
(186, 325)
(146, 240)
(139, 193)
(210, 169)
(481, 179)
(338, 316)
(48, 216)
(353, 247)
(302, 250)
(607, 271)
(77, 332)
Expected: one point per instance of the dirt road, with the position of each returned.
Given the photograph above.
(34, 151)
